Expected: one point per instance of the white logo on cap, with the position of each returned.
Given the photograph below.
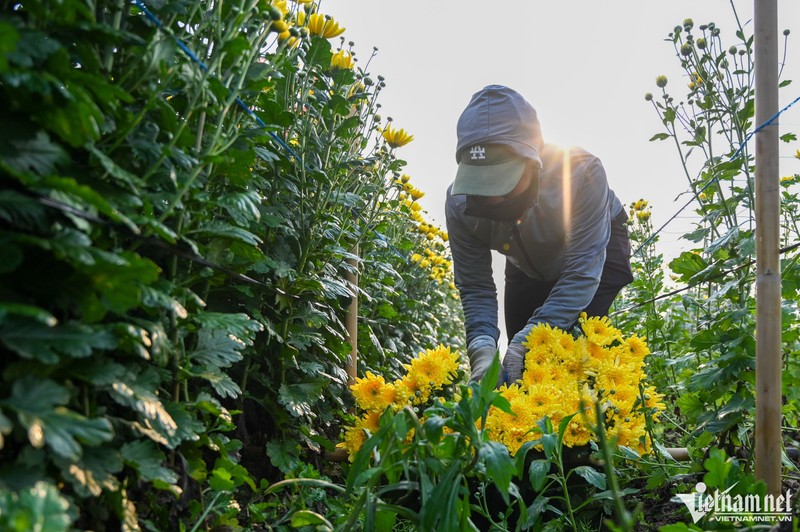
(477, 152)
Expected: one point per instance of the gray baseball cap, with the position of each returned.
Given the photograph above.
(498, 134)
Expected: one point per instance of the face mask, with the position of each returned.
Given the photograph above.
(508, 210)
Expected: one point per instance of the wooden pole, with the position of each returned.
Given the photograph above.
(768, 268)
(351, 320)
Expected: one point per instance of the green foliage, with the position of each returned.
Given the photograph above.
(702, 334)
(438, 470)
(174, 274)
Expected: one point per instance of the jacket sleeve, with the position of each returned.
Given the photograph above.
(472, 270)
(584, 253)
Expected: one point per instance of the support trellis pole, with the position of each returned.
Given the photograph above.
(351, 319)
(768, 283)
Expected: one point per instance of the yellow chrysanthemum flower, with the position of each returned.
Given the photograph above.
(643, 216)
(281, 6)
(370, 392)
(418, 392)
(633, 350)
(653, 399)
(323, 26)
(289, 40)
(623, 397)
(440, 364)
(342, 60)
(598, 329)
(612, 377)
(396, 137)
(354, 438)
(577, 433)
(542, 334)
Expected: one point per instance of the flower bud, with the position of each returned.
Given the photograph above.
(701, 43)
(274, 13)
(648, 97)
(661, 81)
(686, 49)
(688, 24)
(279, 26)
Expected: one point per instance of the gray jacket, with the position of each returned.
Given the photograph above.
(561, 238)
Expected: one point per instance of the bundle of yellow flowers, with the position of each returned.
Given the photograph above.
(428, 373)
(567, 375)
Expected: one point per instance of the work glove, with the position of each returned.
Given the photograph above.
(481, 352)
(514, 362)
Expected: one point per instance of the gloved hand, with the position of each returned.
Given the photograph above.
(514, 362)
(481, 352)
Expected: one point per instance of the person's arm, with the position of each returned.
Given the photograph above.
(584, 254)
(472, 271)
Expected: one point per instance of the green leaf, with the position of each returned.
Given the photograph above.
(91, 198)
(300, 398)
(434, 428)
(221, 229)
(147, 459)
(188, 427)
(610, 495)
(34, 340)
(592, 476)
(718, 466)
(303, 518)
(139, 391)
(243, 207)
(499, 465)
(221, 480)
(37, 405)
(688, 264)
(284, 454)
(26, 311)
(216, 349)
(537, 473)
(222, 383)
(238, 325)
(95, 472)
(38, 155)
(659, 136)
(40, 507)
(119, 276)
(690, 405)
(20, 211)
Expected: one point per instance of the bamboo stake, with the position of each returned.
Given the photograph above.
(351, 320)
(768, 268)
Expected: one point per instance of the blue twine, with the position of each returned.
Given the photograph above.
(701, 189)
(246, 108)
(762, 126)
(191, 55)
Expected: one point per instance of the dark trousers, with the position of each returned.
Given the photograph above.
(524, 295)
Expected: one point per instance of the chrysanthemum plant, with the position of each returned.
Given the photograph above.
(576, 390)
(567, 374)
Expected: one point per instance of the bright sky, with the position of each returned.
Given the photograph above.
(584, 65)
